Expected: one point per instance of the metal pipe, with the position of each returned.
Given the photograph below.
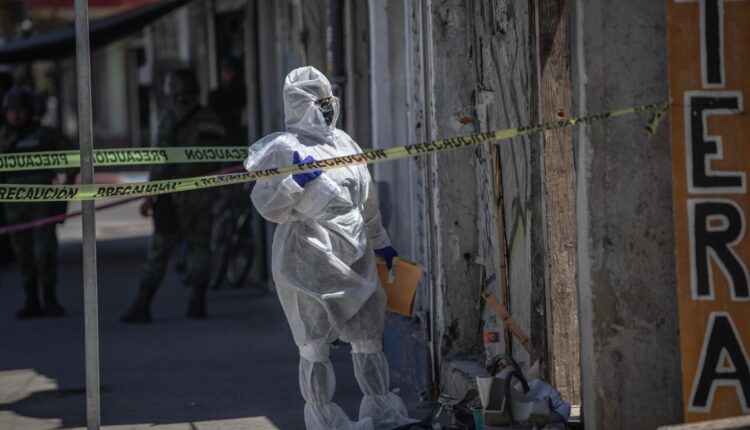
(431, 173)
(300, 31)
(335, 54)
(349, 70)
(252, 115)
(85, 138)
(213, 76)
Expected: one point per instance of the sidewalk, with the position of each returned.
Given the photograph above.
(121, 222)
(238, 369)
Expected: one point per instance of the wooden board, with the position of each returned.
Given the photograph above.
(559, 187)
(502, 313)
(734, 423)
(709, 59)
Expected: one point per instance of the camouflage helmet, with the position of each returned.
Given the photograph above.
(22, 98)
(6, 81)
(181, 82)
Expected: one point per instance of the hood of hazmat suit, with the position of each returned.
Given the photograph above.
(323, 259)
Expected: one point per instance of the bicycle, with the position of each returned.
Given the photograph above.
(232, 238)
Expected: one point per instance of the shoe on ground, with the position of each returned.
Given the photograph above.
(136, 315)
(196, 310)
(29, 311)
(53, 310)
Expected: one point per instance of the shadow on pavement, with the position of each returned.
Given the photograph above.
(237, 369)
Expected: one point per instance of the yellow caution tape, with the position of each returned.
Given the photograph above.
(121, 157)
(46, 193)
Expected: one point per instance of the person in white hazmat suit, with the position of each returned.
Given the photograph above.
(323, 262)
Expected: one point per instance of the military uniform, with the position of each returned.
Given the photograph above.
(35, 249)
(184, 215)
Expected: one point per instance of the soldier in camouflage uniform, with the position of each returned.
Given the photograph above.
(185, 215)
(6, 248)
(35, 249)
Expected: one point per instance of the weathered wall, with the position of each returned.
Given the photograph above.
(313, 37)
(626, 280)
(484, 78)
(429, 204)
(396, 106)
(505, 73)
(454, 223)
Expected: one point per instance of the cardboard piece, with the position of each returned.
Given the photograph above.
(400, 284)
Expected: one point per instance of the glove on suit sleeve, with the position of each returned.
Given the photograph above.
(282, 200)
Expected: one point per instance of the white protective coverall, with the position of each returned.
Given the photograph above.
(323, 261)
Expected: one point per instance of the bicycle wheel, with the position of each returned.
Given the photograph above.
(240, 252)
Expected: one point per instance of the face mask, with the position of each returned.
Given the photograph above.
(328, 112)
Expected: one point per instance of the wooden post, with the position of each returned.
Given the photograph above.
(559, 185)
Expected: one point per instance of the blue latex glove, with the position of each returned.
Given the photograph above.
(388, 253)
(303, 178)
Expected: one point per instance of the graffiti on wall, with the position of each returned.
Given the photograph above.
(504, 99)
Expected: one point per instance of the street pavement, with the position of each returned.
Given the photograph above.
(235, 370)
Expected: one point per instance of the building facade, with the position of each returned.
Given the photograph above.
(571, 229)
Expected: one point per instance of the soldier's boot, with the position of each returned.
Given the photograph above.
(197, 303)
(51, 305)
(31, 308)
(140, 312)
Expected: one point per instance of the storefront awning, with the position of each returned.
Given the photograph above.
(61, 43)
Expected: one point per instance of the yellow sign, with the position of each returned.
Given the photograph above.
(709, 59)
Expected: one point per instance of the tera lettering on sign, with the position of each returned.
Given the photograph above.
(709, 56)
